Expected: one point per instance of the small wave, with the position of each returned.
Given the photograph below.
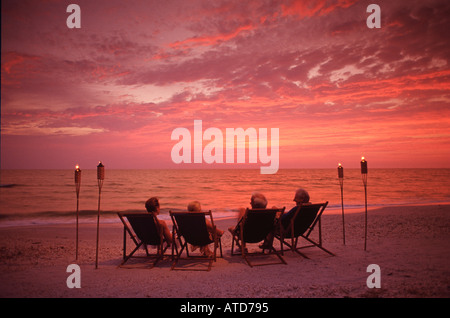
(110, 216)
(8, 185)
(85, 217)
(59, 215)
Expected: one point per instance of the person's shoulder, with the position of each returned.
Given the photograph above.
(293, 209)
(289, 213)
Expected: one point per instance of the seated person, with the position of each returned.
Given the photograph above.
(257, 201)
(152, 206)
(301, 198)
(195, 206)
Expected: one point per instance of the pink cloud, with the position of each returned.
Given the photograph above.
(134, 72)
(210, 40)
(313, 8)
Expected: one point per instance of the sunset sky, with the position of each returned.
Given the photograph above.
(116, 88)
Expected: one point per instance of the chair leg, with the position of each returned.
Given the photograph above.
(278, 255)
(163, 248)
(232, 246)
(215, 249)
(245, 256)
(319, 246)
(131, 254)
(293, 246)
(232, 243)
(124, 243)
(178, 255)
(234, 239)
(281, 246)
(296, 249)
(217, 245)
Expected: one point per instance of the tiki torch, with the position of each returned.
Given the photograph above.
(77, 187)
(100, 178)
(364, 179)
(341, 182)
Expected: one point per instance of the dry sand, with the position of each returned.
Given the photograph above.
(410, 244)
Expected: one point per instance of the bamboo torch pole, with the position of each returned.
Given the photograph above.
(364, 179)
(100, 178)
(341, 182)
(77, 187)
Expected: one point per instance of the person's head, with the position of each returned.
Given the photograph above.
(258, 201)
(301, 196)
(152, 205)
(194, 206)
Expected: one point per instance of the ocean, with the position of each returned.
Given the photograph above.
(31, 197)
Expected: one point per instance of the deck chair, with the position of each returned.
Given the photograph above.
(302, 223)
(143, 229)
(254, 227)
(190, 228)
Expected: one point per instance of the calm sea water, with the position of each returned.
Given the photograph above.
(48, 196)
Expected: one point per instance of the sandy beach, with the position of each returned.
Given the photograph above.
(410, 244)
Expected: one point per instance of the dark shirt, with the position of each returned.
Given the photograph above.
(286, 217)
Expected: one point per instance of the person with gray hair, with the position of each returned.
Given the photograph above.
(257, 201)
(301, 197)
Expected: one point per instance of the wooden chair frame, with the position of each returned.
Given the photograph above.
(197, 235)
(251, 230)
(140, 237)
(307, 226)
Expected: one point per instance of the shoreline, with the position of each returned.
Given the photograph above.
(111, 216)
(409, 243)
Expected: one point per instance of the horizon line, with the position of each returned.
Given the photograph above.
(240, 168)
